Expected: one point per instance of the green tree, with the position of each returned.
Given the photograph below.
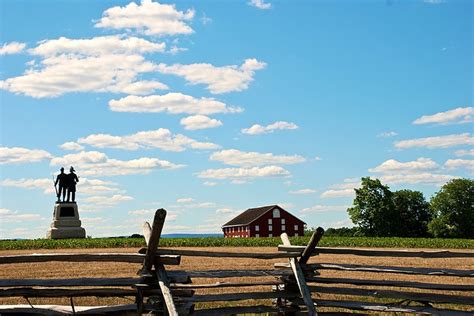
(374, 212)
(413, 213)
(453, 210)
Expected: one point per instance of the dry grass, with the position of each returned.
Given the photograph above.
(100, 269)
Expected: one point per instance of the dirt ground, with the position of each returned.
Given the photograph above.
(100, 269)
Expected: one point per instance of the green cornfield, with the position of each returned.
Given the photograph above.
(383, 242)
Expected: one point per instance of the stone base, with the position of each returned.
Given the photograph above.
(66, 232)
(66, 222)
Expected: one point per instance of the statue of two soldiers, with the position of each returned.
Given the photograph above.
(67, 183)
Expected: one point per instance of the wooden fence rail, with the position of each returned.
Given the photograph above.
(301, 285)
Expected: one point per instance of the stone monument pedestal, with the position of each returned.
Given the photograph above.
(66, 223)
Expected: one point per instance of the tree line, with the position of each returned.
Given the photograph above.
(379, 212)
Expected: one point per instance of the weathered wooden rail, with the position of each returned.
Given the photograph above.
(296, 286)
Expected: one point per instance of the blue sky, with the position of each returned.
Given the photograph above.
(208, 108)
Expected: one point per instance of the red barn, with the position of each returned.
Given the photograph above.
(265, 221)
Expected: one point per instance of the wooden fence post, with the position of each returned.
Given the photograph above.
(152, 239)
(315, 238)
(300, 280)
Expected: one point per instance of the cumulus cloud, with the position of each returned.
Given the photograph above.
(195, 122)
(43, 184)
(387, 134)
(97, 46)
(393, 165)
(259, 129)
(302, 191)
(12, 48)
(9, 216)
(324, 208)
(172, 103)
(209, 183)
(417, 178)
(95, 163)
(148, 17)
(460, 164)
(437, 141)
(455, 116)
(108, 201)
(218, 79)
(184, 200)
(236, 157)
(337, 193)
(261, 4)
(464, 152)
(71, 146)
(161, 138)
(17, 155)
(244, 173)
(98, 64)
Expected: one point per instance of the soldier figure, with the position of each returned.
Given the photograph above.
(72, 179)
(62, 179)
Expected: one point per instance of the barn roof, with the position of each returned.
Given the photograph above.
(250, 215)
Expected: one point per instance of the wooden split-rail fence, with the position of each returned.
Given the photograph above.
(294, 287)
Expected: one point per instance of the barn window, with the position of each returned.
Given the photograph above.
(296, 234)
(257, 228)
(283, 228)
(296, 227)
(269, 221)
(270, 228)
(257, 235)
(283, 221)
(276, 213)
(270, 235)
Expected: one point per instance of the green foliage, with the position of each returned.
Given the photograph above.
(453, 210)
(373, 212)
(413, 213)
(341, 232)
(326, 241)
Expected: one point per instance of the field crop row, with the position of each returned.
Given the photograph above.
(386, 242)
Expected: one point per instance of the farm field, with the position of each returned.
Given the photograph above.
(77, 270)
(384, 242)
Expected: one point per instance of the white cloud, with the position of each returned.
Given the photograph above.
(172, 103)
(455, 116)
(9, 216)
(209, 183)
(149, 18)
(387, 134)
(433, 1)
(12, 155)
(97, 46)
(12, 48)
(161, 138)
(175, 49)
(303, 191)
(259, 129)
(199, 122)
(460, 163)
(417, 178)
(93, 163)
(98, 64)
(236, 157)
(71, 146)
(464, 152)
(261, 4)
(324, 208)
(108, 200)
(392, 165)
(184, 200)
(43, 184)
(437, 141)
(142, 212)
(68, 73)
(244, 173)
(188, 205)
(218, 79)
(333, 193)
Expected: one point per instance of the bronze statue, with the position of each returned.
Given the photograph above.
(62, 179)
(72, 179)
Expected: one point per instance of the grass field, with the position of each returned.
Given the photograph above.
(388, 242)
